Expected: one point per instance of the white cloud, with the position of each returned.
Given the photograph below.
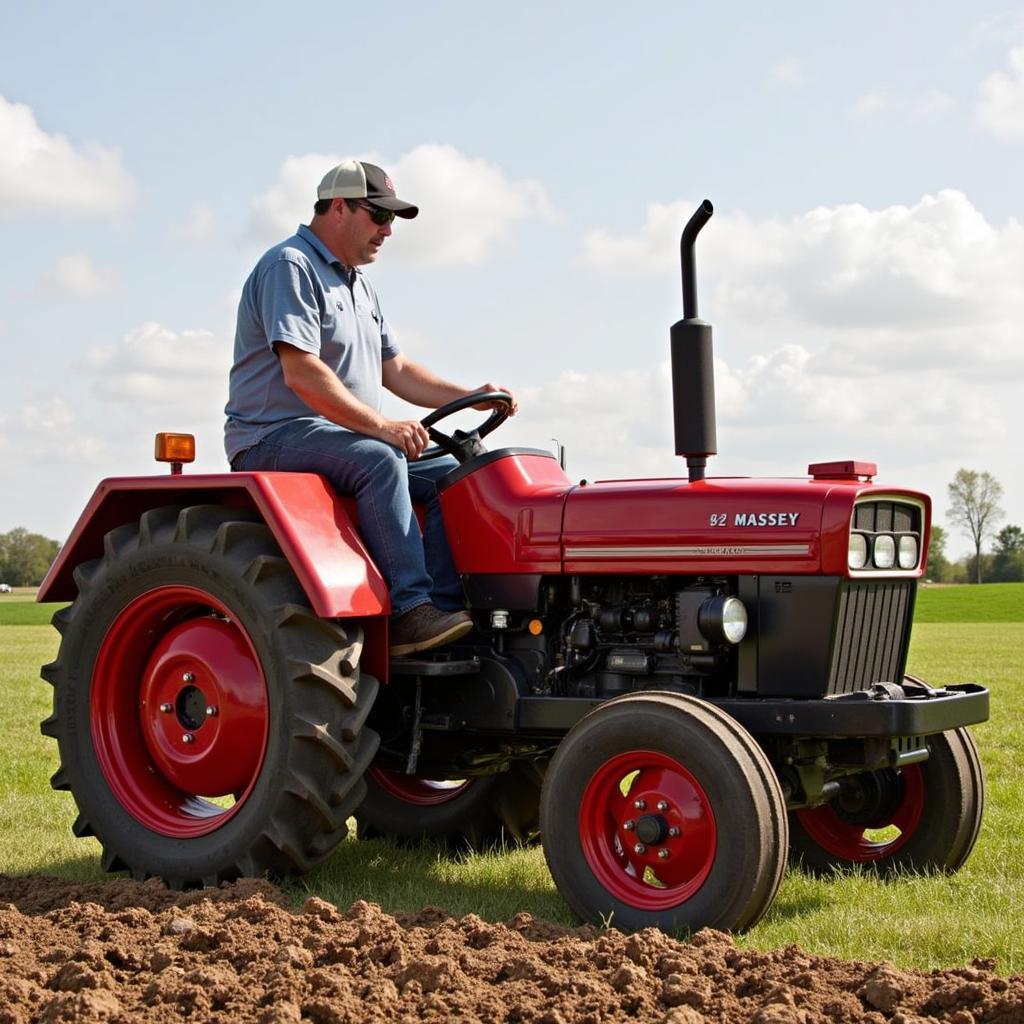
(924, 106)
(1002, 28)
(77, 275)
(788, 72)
(649, 250)
(928, 284)
(46, 431)
(199, 226)
(1000, 107)
(163, 372)
(43, 171)
(289, 201)
(468, 206)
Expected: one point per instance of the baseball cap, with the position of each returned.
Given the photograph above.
(354, 179)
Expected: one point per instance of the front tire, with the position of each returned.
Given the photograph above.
(924, 817)
(209, 724)
(659, 810)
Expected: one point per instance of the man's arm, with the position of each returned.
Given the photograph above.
(321, 390)
(416, 384)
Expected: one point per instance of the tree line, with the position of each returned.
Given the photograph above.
(25, 557)
(974, 508)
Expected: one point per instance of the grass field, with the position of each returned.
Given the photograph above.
(962, 634)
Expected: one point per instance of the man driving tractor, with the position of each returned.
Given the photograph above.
(312, 352)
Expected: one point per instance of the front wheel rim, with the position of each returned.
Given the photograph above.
(849, 840)
(647, 830)
(178, 711)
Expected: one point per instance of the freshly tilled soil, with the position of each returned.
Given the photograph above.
(121, 951)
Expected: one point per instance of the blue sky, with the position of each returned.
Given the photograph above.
(863, 269)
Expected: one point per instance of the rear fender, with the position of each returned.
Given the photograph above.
(313, 526)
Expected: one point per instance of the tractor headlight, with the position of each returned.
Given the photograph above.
(885, 552)
(908, 552)
(723, 618)
(857, 556)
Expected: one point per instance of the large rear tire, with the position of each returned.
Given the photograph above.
(209, 724)
(476, 813)
(658, 810)
(925, 817)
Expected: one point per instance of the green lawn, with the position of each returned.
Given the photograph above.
(989, 602)
(914, 921)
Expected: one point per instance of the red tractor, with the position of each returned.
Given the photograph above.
(679, 684)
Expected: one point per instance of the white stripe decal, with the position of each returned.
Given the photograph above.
(691, 551)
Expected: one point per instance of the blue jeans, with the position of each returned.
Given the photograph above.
(416, 568)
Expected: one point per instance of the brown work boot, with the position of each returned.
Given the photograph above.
(424, 627)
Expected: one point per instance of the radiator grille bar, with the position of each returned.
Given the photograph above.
(872, 630)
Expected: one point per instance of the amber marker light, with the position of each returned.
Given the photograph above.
(175, 449)
(536, 627)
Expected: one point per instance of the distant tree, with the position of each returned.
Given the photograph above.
(1008, 560)
(25, 557)
(974, 507)
(939, 568)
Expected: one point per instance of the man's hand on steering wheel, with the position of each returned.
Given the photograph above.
(513, 408)
(465, 445)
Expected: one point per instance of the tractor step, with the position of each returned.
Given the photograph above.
(438, 666)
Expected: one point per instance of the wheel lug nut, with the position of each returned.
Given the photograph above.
(166, 708)
(629, 824)
(188, 738)
(662, 805)
(674, 831)
(639, 804)
(663, 854)
(188, 677)
(639, 848)
(212, 711)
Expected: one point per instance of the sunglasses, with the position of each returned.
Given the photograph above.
(378, 214)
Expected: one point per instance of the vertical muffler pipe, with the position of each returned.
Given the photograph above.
(693, 366)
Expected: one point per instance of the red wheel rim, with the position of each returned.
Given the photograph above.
(178, 711)
(647, 830)
(849, 841)
(421, 792)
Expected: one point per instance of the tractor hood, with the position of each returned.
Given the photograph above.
(717, 525)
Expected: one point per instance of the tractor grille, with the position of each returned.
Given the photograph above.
(872, 630)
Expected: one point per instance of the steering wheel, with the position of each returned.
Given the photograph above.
(465, 445)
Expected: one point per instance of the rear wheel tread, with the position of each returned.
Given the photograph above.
(157, 524)
(82, 827)
(319, 733)
(120, 541)
(320, 675)
(61, 618)
(85, 573)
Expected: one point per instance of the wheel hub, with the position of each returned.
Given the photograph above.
(647, 829)
(178, 711)
(870, 800)
(202, 708)
(652, 828)
(191, 708)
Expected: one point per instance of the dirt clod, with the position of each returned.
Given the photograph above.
(127, 952)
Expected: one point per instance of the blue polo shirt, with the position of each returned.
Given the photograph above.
(302, 294)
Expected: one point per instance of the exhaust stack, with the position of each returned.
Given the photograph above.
(693, 368)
